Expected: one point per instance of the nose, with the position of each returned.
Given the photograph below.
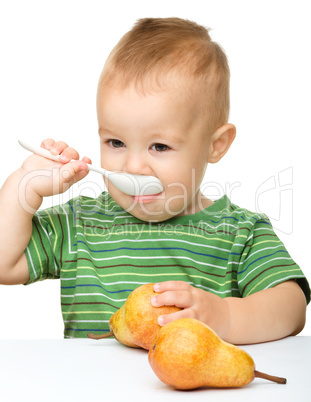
(136, 163)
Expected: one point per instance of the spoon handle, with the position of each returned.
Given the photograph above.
(39, 151)
(47, 154)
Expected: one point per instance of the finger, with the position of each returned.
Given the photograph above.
(58, 147)
(170, 285)
(69, 170)
(71, 173)
(80, 175)
(47, 143)
(179, 298)
(165, 319)
(69, 154)
(87, 160)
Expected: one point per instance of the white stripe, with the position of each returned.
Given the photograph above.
(32, 266)
(112, 218)
(93, 294)
(86, 320)
(238, 244)
(103, 283)
(259, 251)
(100, 204)
(215, 291)
(90, 218)
(241, 213)
(49, 240)
(258, 266)
(216, 227)
(152, 258)
(101, 208)
(157, 241)
(250, 237)
(283, 280)
(269, 229)
(70, 251)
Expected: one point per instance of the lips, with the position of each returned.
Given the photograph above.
(146, 198)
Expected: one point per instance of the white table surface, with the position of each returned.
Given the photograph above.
(89, 370)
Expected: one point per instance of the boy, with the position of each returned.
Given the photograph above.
(162, 106)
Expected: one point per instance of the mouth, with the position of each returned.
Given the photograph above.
(143, 199)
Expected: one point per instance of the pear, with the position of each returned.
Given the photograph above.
(187, 354)
(135, 324)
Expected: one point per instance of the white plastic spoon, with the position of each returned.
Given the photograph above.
(132, 184)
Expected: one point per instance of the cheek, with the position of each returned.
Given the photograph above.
(106, 160)
(186, 167)
(183, 180)
(182, 184)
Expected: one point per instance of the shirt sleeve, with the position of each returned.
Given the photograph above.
(50, 242)
(265, 262)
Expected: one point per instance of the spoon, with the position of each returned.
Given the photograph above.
(132, 184)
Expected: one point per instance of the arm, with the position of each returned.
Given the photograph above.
(22, 195)
(263, 316)
(268, 314)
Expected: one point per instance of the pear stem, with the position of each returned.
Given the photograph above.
(278, 380)
(102, 336)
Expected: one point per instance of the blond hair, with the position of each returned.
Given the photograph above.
(156, 50)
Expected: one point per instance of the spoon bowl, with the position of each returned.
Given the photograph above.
(132, 184)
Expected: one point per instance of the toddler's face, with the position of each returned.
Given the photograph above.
(159, 134)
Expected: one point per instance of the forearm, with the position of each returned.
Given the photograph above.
(22, 195)
(17, 206)
(267, 315)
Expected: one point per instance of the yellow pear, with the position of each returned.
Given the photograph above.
(135, 324)
(187, 354)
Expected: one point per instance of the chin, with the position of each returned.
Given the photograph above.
(155, 210)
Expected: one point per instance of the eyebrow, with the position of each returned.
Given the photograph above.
(103, 131)
(167, 137)
(157, 137)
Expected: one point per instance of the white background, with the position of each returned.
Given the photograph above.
(52, 53)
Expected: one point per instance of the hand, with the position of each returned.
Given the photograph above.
(195, 303)
(44, 177)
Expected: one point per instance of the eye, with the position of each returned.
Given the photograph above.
(160, 147)
(116, 143)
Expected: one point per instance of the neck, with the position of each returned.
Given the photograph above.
(198, 203)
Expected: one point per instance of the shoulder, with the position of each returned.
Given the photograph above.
(241, 214)
(235, 219)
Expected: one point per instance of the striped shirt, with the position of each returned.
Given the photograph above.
(101, 253)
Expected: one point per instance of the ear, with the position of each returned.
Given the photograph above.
(220, 142)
